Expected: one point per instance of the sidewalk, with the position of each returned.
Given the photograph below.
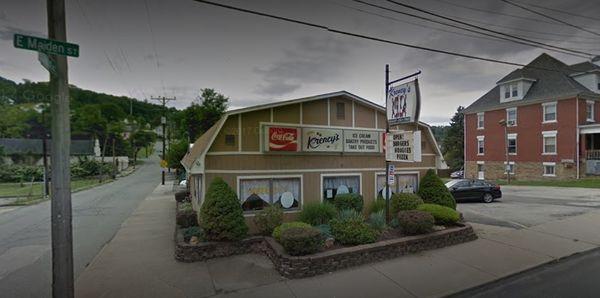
(139, 262)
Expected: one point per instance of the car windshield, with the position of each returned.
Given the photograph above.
(452, 183)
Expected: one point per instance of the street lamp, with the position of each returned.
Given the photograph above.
(507, 167)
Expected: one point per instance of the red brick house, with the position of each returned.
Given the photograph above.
(551, 111)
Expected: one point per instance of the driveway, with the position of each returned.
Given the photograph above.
(527, 206)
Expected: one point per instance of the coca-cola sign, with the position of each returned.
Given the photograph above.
(283, 139)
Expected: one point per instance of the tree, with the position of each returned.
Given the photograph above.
(176, 152)
(453, 144)
(199, 117)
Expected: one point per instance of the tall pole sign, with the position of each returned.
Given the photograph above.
(52, 52)
(402, 105)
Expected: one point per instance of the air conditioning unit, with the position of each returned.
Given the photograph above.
(510, 122)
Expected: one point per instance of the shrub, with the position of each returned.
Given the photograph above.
(287, 225)
(442, 215)
(415, 222)
(404, 201)
(301, 241)
(221, 215)
(182, 196)
(188, 233)
(377, 220)
(349, 201)
(186, 216)
(377, 205)
(433, 191)
(317, 213)
(325, 231)
(394, 223)
(350, 214)
(352, 232)
(268, 219)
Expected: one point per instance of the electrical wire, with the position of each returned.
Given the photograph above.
(162, 82)
(563, 12)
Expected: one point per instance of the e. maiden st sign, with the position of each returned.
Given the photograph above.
(48, 46)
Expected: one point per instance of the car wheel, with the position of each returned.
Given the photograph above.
(487, 198)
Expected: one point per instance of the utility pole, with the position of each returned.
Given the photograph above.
(163, 121)
(62, 231)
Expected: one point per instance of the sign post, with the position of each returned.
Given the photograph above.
(402, 105)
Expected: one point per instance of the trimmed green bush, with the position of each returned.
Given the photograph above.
(352, 232)
(350, 214)
(433, 191)
(301, 241)
(186, 216)
(442, 215)
(317, 213)
(268, 219)
(404, 201)
(415, 222)
(221, 215)
(377, 220)
(377, 205)
(188, 233)
(287, 225)
(349, 201)
(325, 231)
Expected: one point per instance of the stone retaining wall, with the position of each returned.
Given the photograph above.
(326, 261)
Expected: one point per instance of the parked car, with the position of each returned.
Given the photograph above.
(457, 174)
(474, 190)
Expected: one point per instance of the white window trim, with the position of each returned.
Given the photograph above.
(549, 134)
(480, 162)
(512, 136)
(512, 163)
(253, 213)
(397, 173)
(544, 164)
(480, 138)
(516, 116)
(360, 184)
(482, 114)
(587, 105)
(555, 104)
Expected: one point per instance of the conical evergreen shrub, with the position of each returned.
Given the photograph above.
(221, 215)
(433, 191)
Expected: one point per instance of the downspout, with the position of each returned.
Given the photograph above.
(577, 134)
(464, 145)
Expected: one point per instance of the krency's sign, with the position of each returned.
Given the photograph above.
(403, 103)
(403, 146)
(322, 139)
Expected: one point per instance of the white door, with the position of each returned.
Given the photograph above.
(480, 172)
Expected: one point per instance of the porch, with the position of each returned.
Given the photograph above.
(590, 148)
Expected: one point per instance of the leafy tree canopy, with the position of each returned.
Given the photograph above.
(453, 144)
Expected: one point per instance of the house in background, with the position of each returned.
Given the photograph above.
(294, 152)
(551, 111)
(30, 151)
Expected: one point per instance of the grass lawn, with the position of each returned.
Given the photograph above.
(584, 183)
(35, 190)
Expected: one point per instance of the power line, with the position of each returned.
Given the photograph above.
(322, 27)
(481, 28)
(563, 12)
(154, 46)
(550, 17)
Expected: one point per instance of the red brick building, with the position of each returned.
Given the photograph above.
(551, 111)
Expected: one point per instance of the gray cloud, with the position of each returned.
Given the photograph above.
(7, 32)
(312, 60)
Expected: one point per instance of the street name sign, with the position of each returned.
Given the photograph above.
(48, 46)
(47, 62)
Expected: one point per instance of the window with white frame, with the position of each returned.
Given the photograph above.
(510, 167)
(549, 112)
(480, 145)
(480, 120)
(506, 91)
(511, 143)
(549, 142)
(511, 117)
(514, 91)
(590, 110)
(549, 169)
(258, 193)
(405, 183)
(339, 184)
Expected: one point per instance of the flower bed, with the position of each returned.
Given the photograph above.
(325, 261)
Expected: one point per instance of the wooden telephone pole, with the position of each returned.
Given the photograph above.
(163, 121)
(62, 231)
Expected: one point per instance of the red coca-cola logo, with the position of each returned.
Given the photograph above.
(283, 139)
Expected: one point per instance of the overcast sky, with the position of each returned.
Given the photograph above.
(187, 46)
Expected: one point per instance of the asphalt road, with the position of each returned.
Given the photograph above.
(576, 276)
(25, 254)
(523, 207)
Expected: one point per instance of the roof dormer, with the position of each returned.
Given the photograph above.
(590, 80)
(514, 89)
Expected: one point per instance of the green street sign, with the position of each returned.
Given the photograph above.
(48, 46)
(47, 62)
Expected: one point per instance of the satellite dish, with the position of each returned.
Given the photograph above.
(287, 199)
(342, 189)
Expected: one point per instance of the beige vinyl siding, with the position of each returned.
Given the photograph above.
(230, 127)
(347, 121)
(287, 114)
(251, 128)
(381, 120)
(315, 112)
(364, 116)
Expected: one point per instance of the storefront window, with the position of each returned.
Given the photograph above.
(256, 194)
(405, 183)
(333, 185)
